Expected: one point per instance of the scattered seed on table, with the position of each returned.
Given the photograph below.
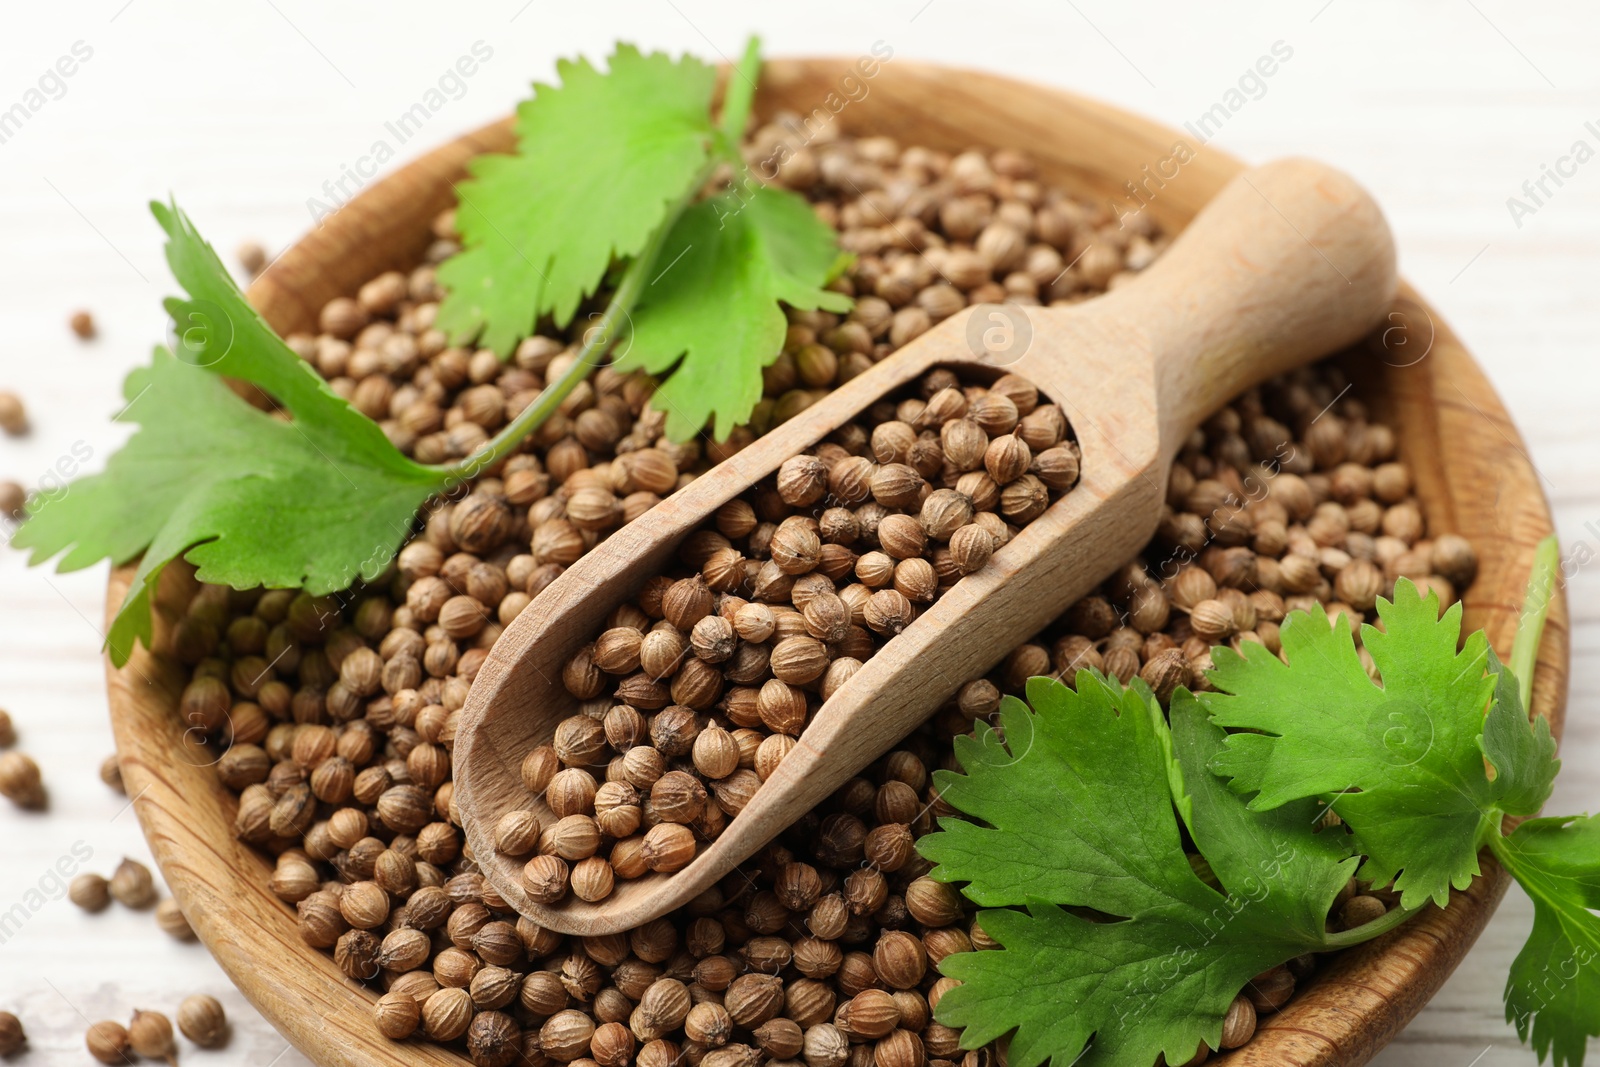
(108, 1042)
(82, 324)
(132, 886)
(19, 780)
(12, 1037)
(90, 891)
(150, 1035)
(252, 257)
(202, 1020)
(13, 415)
(172, 921)
(111, 773)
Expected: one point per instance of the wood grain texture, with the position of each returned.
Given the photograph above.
(1441, 405)
(1248, 290)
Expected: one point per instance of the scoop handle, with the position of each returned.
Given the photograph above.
(1290, 261)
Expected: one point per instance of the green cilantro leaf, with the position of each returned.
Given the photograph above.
(1524, 758)
(1079, 814)
(1052, 829)
(315, 500)
(600, 159)
(712, 311)
(1553, 990)
(1413, 746)
(1276, 858)
(1169, 761)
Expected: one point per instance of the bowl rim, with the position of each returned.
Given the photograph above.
(1342, 1016)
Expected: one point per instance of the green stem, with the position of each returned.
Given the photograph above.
(1535, 609)
(597, 340)
(741, 92)
(1368, 931)
(1497, 847)
(1488, 829)
(1500, 846)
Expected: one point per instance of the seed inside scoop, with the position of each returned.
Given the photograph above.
(695, 692)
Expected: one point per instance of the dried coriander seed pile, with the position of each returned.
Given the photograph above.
(694, 693)
(337, 717)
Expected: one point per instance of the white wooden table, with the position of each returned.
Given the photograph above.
(1442, 107)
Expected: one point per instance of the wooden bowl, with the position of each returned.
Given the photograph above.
(1473, 478)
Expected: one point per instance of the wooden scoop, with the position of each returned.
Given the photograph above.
(1290, 262)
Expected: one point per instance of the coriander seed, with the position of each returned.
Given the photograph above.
(447, 1014)
(933, 903)
(566, 1035)
(364, 905)
(971, 547)
(592, 879)
(716, 754)
(901, 1048)
(251, 256)
(1057, 467)
(90, 891)
(870, 1014)
(493, 1039)
(494, 987)
(111, 774)
(825, 1045)
(668, 847)
(13, 416)
(1239, 1025)
(108, 1042)
(678, 797)
(889, 612)
(517, 832)
(12, 1036)
(172, 921)
(1454, 559)
(20, 782)
(202, 1020)
(663, 1006)
(397, 1015)
(1360, 910)
(802, 480)
(545, 878)
(538, 768)
(150, 1035)
(321, 924)
(132, 886)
